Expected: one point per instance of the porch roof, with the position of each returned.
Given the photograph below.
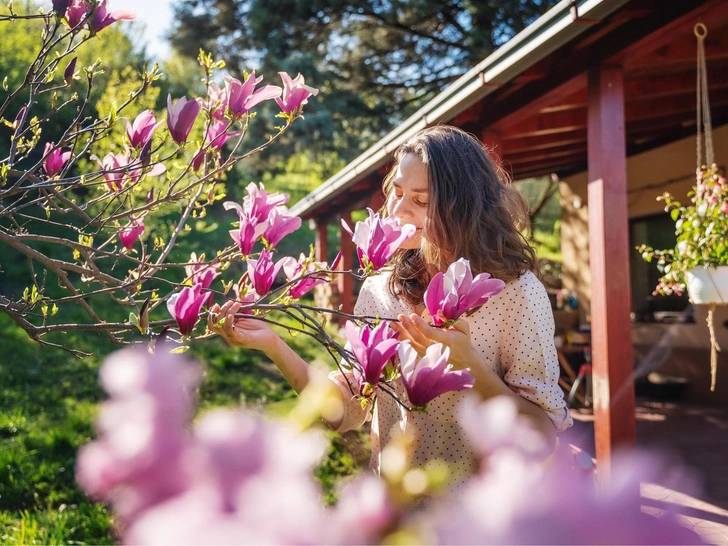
(529, 98)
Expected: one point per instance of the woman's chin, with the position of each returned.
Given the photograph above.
(412, 243)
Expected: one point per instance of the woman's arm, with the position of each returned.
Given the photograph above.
(256, 334)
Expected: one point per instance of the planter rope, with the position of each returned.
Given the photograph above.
(705, 129)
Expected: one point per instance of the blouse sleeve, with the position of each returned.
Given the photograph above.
(354, 415)
(529, 363)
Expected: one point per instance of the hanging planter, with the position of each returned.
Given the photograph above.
(708, 285)
(699, 261)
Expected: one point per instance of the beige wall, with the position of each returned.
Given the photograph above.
(650, 174)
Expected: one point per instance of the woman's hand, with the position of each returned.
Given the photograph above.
(422, 335)
(240, 332)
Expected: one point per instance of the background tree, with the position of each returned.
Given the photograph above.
(374, 61)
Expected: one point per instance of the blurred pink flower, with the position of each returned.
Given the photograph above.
(377, 239)
(114, 169)
(137, 461)
(428, 377)
(455, 292)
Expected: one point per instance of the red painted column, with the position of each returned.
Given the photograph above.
(345, 282)
(614, 406)
(322, 242)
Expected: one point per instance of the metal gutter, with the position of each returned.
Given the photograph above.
(549, 32)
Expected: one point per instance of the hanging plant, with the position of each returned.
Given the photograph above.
(699, 261)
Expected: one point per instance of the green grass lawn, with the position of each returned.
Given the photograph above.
(48, 400)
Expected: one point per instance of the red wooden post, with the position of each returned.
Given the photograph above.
(344, 282)
(322, 242)
(614, 406)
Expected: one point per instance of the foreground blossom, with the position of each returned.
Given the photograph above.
(372, 348)
(377, 239)
(138, 460)
(428, 377)
(55, 160)
(236, 478)
(455, 292)
(185, 307)
(103, 17)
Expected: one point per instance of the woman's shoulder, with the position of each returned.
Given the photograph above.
(526, 288)
(375, 296)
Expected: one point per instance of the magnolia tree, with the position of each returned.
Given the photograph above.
(80, 217)
(80, 212)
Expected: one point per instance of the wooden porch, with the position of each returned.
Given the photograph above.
(591, 84)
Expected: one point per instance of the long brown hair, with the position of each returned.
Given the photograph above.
(473, 213)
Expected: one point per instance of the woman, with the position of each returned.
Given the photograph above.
(446, 185)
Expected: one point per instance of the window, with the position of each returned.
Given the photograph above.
(657, 231)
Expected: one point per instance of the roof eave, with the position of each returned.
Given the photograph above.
(548, 33)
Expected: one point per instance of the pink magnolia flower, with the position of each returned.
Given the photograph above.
(141, 131)
(263, 272)
(70, 71)
(259, 203)
(280, 224)
(216, 101)
(428, 377)
(244, 293)
(303, 267)
(185, 307)
(377, 239)
(76, 12)
(455, 292)
(724, 207)
(242, 97)
(103, 18)
(249, 231)
(129, 235)
(215, 138)
(181, 117)
(55, 159)
(200, 272)
(114, 166)
(295, 93)
(373, 348)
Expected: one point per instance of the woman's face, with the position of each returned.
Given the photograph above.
(408, 199)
